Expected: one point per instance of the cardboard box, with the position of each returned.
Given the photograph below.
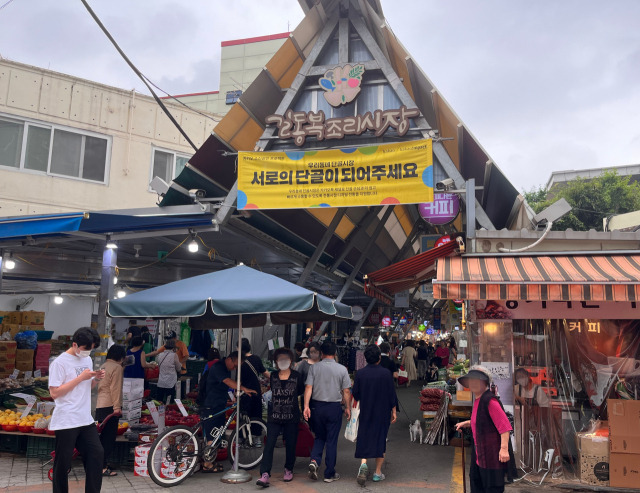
(7, 357)
(132, 385)
(132, 396)
(594, 458)
(13, 329)
(24, 365)
(463, 395)
(32, 318)
(7, 367)
(131, 414)
(14, 318)
(624, 445)
(624, 418)
(625, 470)
(129, 405)
(8, 346)
(25, 354)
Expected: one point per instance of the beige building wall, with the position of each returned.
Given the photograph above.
(133, 125)
(240, 63)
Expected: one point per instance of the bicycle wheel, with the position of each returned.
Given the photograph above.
(173, 456)
(250, 452)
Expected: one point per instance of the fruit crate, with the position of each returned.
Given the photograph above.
(40, 447)
(14, 444)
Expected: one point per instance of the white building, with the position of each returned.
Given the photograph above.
(69, 144)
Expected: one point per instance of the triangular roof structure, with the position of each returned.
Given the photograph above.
(346, 242)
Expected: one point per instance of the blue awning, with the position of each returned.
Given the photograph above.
(100, 223)
(51, 224)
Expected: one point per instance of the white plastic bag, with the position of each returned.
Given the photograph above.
(351, 431)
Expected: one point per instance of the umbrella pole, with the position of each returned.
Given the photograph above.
(236, 475)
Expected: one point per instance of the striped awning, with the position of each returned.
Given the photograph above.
(599, 277)
(407, 274)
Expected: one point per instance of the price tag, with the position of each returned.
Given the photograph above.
(154, 412)
(31, 400)
(28, 374)
(14, 375)
(37, 374)
(181, 407)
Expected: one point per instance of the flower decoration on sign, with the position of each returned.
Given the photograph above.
(342, 84)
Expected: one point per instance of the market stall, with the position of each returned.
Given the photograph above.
(235, 297)
(561, 337)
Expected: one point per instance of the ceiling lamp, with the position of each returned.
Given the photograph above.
(121, 293)
(111, 243)
(58, 299)
(193, 244)
(9, 263)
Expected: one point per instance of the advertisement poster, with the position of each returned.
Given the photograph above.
(358, 176)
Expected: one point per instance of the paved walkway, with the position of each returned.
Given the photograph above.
(410, 466)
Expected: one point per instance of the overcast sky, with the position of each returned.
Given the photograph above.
(545, 85)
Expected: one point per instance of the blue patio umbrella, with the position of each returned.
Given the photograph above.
(231, 298)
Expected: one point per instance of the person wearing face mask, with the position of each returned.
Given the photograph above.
(310, 356)
(71, 378)
(284, 415)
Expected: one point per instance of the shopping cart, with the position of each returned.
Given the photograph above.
(100, 427)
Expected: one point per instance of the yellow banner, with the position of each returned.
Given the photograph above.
(365, 176)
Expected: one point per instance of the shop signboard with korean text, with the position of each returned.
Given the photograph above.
(556, 310)
(444, 209)
(366, 176)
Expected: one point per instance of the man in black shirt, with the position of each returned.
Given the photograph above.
(133, 331)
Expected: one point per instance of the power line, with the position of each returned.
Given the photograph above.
(179, 101)
(138, 73)
(5, 4)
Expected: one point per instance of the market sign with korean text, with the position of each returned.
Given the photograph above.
(557, 310)
(444, 209)
(386, 321)
(387, 174)
(374, 318)
(298, 125)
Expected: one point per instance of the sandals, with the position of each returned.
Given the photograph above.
(109, 473)
(216, 468)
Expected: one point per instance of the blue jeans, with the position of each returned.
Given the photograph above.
(327, 422)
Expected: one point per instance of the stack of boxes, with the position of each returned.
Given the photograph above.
(132, 394)
(7, 358)
(15, 322)
(624, 437)
(24, 359)
(43, 353)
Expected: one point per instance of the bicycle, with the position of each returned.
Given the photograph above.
(176, 453)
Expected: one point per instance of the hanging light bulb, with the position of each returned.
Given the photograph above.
(10, 264)
(58, 299)
(121, 293)
(115, 279)
(111, 243)
(193, 244)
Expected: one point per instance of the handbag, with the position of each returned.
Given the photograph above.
(351, 431)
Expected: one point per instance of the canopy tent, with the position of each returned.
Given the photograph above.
(222, 298)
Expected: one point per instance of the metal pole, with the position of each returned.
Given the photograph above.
(236, 475)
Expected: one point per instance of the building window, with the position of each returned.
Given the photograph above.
(233, 96)
(168, 164)
(53, 150)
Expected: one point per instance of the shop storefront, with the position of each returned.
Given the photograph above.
(562, 338)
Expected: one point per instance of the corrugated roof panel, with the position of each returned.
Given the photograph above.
(448, 126)
(285, 64)
(398, 55)
(403, 217)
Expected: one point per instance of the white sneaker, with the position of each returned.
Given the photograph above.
(335, 477)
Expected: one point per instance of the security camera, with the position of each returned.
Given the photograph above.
(445, 184)
(196, 193)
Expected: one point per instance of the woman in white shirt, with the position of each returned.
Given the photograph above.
(169, 366)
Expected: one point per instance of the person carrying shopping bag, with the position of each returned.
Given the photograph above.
(375, 392)
(284, 415)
